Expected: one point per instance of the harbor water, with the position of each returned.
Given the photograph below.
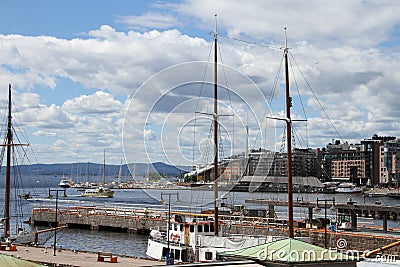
(134, 244)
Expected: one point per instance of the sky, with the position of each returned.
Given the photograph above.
(134, 78)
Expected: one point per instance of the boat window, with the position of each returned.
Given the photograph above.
(211, 227)
(200, 228)
(175, 227)
(191, 228)
(181, 227)
(206, 228)
(184, 255)
(177, 254)
(178, 218)
(208, 256)
(164, 252)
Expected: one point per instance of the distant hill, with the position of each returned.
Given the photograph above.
(95, 169)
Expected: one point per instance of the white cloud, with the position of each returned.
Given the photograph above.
(359, 23)
(51, 117)
(98, 103)
(150, 20)
(340, 48)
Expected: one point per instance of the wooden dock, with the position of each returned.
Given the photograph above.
(355, 210)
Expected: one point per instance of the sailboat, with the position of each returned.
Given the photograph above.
(196, 237)
(22, 236)
(100, 191)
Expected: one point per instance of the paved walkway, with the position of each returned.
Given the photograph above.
(75, 259)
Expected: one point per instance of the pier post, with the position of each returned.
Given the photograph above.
(310, 213)
(271, 211)
(353, 216)
(384, 219)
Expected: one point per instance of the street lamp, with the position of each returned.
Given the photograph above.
(170, 256)
(56, 219)
(317, 208)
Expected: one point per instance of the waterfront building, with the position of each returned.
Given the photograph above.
(260, 161)
(235, 168)
(383, 159)
(345, 163)
(372, 163)
(375, 161)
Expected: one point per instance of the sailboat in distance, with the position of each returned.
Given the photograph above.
(101, 191)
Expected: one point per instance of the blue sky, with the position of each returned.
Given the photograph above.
(64, 19)
(75, 66)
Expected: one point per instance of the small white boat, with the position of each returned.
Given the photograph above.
(25, 195)
(65, 183)
(98, 192)
(348, 188)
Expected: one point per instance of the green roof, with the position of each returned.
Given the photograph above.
(10, 261)
(289, 251)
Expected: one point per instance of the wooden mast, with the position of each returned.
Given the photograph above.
(289, 143)
(8, 168)
(215, 115)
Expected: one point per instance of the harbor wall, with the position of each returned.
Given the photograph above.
(142, 221)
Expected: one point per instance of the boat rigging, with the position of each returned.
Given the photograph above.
(8, 144)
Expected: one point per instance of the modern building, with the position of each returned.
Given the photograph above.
(375, 161)
(345, 163)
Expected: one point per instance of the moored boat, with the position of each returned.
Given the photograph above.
(100, 192)
(192, 239)
(348, 188)
(394, 195)
(65, 183)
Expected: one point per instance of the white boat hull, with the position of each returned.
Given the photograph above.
(98, 192)
(158, 250)
(99, 195)
(349, 190)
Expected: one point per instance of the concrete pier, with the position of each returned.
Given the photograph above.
(95, 218)
(74, 258)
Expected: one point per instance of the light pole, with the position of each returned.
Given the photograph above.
(56, 219)
(169, 256)
(325, 201)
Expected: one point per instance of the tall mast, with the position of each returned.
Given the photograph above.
(215, 115)
(88, 174)
(289, 142)
(8, 168)
(104, 167)
(120, 172)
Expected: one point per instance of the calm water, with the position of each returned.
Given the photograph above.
(133, 244)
